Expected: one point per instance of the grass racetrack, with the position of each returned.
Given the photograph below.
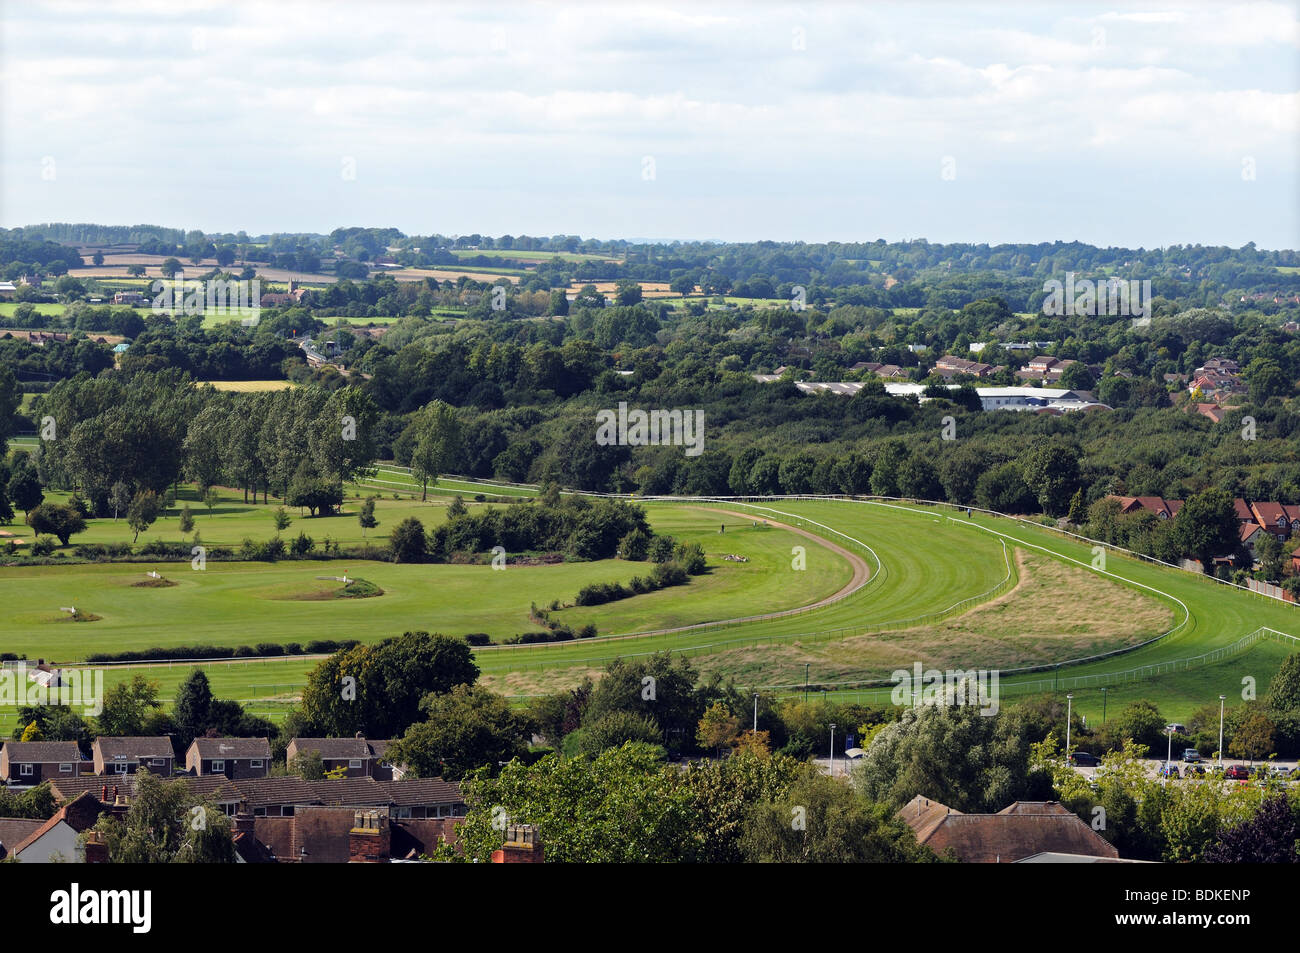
(940, 588)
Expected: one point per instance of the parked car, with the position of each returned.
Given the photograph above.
(1237, 772)
(1194, 770)
(1082, 759)
(1176, 728)
(1169, 771)
(1191, 755)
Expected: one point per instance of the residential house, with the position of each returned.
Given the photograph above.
(236, 758)
(126, 755)
(1250, 534)
(356, 756)
(128, 297)
(1019, 831)
(58, 839)
(119, 789)
(1279, 519)
(32, 762)
(1044, 368)
(417, 798)
(949, 366)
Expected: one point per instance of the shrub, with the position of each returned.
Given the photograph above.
(44, 545)
(478, 638)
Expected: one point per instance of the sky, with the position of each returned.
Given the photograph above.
(1140, 124)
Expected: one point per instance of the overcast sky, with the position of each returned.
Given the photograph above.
(1117, 124)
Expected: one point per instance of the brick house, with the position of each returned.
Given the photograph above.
(1279, 519)
(31, 762)
(416, 799)
(358, 757)
(234, 757)
(1020, 830)
(58, 839)
(125, 755)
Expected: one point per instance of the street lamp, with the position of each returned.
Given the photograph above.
(755, 712)
(1169, 748)
(832, 749)
(1221, 698)
(805, 682)
(1069, 711)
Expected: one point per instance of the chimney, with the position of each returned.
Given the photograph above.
(243, 823)
(522, 846)
(370, 838)
(96, 848)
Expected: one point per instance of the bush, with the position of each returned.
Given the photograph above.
(634, 546)
(44, 545)
(478, 638)
(408, 542)
(303, 545)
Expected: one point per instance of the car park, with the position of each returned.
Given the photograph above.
(1237, 772)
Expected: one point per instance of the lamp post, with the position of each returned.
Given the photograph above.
(1221, 698)
(1069, 711)
(755, 712)
(1169, 748)
(805, 682)
(832, 749)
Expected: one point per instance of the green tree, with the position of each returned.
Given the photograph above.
(463, 730)
(1206, 527)
(57, 519)
(717, 728)
(186, 519)
(822, 820)
(1284, 690)
(437, 443)
(408, 542)
(193, 709)
(281, 518)
(24, 489)
(143, 511)
(119, 497)
(167, 823)
(367, 516)
(129, 706)
(1051, 471)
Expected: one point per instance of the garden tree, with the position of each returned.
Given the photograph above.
(660, 687)
(119, 498)
(129, 707)
(377, 689)
(32, 733)
(1270, 836)
(624, 806)
(556, 715)
(308, 765)
(144, 510)
(954, 754)
(1252, 733)
(367, 516)
(717, 728)
(56, 519)
(616, 729)
(823, 820)
(1076, 376)
(463, 730)
(281, 518)
(1051, 472)
(24, 489)
(53, 723)
(408, 542)
(725, 792)
(167, 823)
(1206, 527)
(1270, 554)
(36, 803)
(192, 711)
(437, 443)
(1284, 690)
